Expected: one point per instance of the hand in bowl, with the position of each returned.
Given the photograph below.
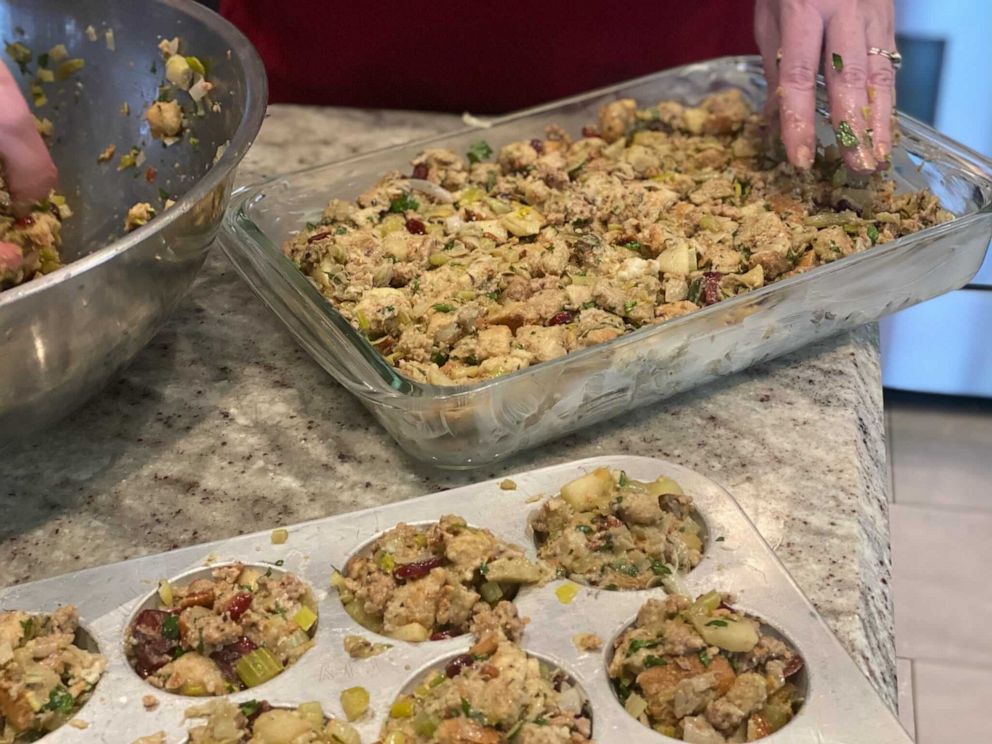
(794, 36)
(28, 168)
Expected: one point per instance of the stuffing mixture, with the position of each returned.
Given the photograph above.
(494, 693)
(33, 239)
(608, 530)
(45, 678)
(704, 673)
(431, 582)
(469, 268)
(237, 629)
(257, 722)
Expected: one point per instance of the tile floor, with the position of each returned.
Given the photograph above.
(940, 454)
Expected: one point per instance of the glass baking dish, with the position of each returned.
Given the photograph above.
(472, 425)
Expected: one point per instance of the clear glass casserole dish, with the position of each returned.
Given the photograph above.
(471, 425)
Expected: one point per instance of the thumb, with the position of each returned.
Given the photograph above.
(11, 258)
(29, 168)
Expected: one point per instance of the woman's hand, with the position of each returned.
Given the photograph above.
(28, 167)
(795, 36)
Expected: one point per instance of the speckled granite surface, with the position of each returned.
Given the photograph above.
(223, 425)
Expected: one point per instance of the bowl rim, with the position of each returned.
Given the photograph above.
(251, 121)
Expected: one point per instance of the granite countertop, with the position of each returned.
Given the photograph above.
(223, 424)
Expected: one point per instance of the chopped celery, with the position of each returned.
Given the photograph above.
(425, 724)
(402, 708)
(257, 666)
(567, 592)
(305, 618)
(354, 702)
(491, 592)
(280, 536)
(313, 713)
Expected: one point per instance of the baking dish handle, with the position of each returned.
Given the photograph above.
(322, 332)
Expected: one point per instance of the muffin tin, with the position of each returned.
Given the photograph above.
(841, 705)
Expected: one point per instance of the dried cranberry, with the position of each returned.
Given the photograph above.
(454, 667)
(792, 666)
(711, 287)
(417, 569)
(149, 622)
(538, 145)
(150, 174)
(238, 605)
(420, 171)
(443, 635)
(226, 657)
(24, 222)
(317, 236)
(590, 132)
(149, 648)
(415, 226)
(561, 318)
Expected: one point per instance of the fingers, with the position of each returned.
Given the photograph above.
(846, 73)
(802, 31)
(881, 81)
(11, 258)
(28, 167)
(767, 35)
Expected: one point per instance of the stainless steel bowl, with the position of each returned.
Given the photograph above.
(63, 336)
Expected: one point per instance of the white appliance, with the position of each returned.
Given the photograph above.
(945, 345)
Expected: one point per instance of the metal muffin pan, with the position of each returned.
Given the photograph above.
(841, 705)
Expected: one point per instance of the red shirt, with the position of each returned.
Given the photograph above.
(478, 57)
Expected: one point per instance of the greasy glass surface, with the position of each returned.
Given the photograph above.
(473, 424)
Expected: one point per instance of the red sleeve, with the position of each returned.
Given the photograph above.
(479, 57)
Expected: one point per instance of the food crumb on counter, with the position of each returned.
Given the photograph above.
(79, 723)
(567, 592)
(361, 648)
(508, 485)
(587, 641)
(280, 536)
(150, 702)
(107, 154)
(157, 738)
(90, 33)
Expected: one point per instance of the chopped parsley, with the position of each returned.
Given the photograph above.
(717, 623)
(872, 234)
(493, 295)
(484, 569)
(439, 358)
(624, 480)
(27, 626)
(60, 700)
(479, 151)
(279, 562)
(637, 644)
(443, 307)
(341, 230)
(633, 245)
(628, 308)
(837, 61)
(658, 568)
(846, 135)
(249, 708)
(585, 529)
(403, 203)
(652, 661)
(43, 60)
(469, 712)
(720, 539)
(625, 567)
(705, 657)
(170, 627)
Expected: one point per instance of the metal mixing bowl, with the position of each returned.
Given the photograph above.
(63, 336)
